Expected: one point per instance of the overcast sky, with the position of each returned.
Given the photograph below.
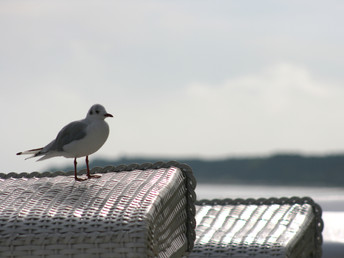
(182, 78)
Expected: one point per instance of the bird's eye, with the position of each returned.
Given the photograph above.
(97, 111)
(91, 112)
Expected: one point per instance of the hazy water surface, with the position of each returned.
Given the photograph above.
(330, 199)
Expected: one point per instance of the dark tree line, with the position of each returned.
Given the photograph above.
(283, 169)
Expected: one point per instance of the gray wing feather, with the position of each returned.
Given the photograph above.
(71, 132)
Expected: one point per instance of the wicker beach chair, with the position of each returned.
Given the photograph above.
(285, 227)
(130, 211)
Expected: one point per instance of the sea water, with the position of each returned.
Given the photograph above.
(329, 198)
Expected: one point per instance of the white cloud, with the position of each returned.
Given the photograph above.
(280, 108)
(275, 89)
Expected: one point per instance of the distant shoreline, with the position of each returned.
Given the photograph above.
(278, 169)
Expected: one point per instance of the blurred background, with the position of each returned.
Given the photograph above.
(246, 92)
(184, 79)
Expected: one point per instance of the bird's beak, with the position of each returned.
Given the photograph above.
(108, 115)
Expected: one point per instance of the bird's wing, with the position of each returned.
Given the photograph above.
(71, 132)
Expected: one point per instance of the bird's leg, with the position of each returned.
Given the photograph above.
(88, 170)
(88, 167)
(75, 172)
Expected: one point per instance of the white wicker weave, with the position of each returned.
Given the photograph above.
(286, 227)
(140, 213)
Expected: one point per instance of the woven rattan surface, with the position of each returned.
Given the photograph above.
(131, 211)
(287, 227)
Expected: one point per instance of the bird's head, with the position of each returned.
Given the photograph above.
(97, 111)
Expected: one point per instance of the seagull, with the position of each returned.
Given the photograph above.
(77, 139)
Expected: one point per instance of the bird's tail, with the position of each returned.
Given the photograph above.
(34, 152)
